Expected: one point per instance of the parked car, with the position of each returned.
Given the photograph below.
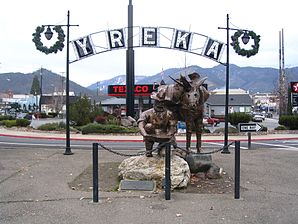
(258, 117)
(211, 121)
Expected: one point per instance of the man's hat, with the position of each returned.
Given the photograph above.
(194, 76)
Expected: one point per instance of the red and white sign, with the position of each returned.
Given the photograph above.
(294, 87)
(140, 90)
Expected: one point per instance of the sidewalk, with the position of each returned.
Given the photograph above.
(138, 137)
(34, 188)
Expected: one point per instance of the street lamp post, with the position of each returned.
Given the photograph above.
(40, 90)
(48, 35)
(245, 39)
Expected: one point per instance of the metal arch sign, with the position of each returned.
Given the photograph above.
(159, 37)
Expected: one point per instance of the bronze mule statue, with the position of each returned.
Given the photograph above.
(186, 98)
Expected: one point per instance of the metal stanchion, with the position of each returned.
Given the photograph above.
(168, 172)
(237, 170)
(95, 171)
(249, 140)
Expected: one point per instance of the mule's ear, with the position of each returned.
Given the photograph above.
(178, 82)
(186, 84)
(201, 81)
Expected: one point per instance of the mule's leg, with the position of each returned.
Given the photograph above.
(188, 135)
(199, 127)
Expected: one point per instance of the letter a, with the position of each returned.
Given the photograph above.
(213, 49)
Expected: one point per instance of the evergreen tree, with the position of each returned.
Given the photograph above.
(83, 112)
(35, 88)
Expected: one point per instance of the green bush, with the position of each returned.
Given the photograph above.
(230, 130)
(108, 128)
(281, 127)
(22, 122)
(9, 123)
(238, 117)
(52, 127)
(290, 121)
(113, 120)
(6, 117)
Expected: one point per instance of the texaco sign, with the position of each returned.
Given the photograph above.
(160, 37)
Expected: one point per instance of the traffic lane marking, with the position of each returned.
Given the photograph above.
(278, 146)
(232, 146)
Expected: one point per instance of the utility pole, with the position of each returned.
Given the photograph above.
(283, 102)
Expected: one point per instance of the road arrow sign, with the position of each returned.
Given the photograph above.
(249, 127)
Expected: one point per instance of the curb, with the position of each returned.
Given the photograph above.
(232, 138)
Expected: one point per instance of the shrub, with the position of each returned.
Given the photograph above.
(109, 128)
(52, 127)
(6, 117)
(238, 117)
(9, 123)
(22, 122)
(281, 127)
(290, 121)
(230, 130)
(113, 120)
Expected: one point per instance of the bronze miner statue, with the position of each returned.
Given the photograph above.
(157, 124)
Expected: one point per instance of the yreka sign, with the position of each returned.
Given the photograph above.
(161, 37)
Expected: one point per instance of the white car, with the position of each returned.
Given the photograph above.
(258, 118)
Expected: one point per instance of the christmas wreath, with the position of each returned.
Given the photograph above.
(242, 51)
(58, 45)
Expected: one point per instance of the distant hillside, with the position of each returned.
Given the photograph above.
(118, 80)
(253, 79)
(20, 83)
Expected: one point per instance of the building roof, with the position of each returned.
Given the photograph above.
(120, 101)
(234, 100)
(231, 91)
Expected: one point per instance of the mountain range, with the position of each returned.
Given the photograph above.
(252, 79)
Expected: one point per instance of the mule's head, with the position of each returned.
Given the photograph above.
(190, 100)
(194, 96)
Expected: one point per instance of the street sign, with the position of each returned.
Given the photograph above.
(294, 99)
(249, 127)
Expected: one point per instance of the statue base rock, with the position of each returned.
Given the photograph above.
(153, 168)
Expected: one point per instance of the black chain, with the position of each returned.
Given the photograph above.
(204, 153)
(136, 154)
(158, 148)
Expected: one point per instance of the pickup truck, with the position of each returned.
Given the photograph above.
(210, 121)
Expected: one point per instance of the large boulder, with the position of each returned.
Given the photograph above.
(153, 168)
(203, 163)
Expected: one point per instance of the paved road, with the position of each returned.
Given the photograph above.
(272, 144)
(34, 189)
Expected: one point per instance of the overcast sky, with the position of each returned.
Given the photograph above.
(18, 20)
